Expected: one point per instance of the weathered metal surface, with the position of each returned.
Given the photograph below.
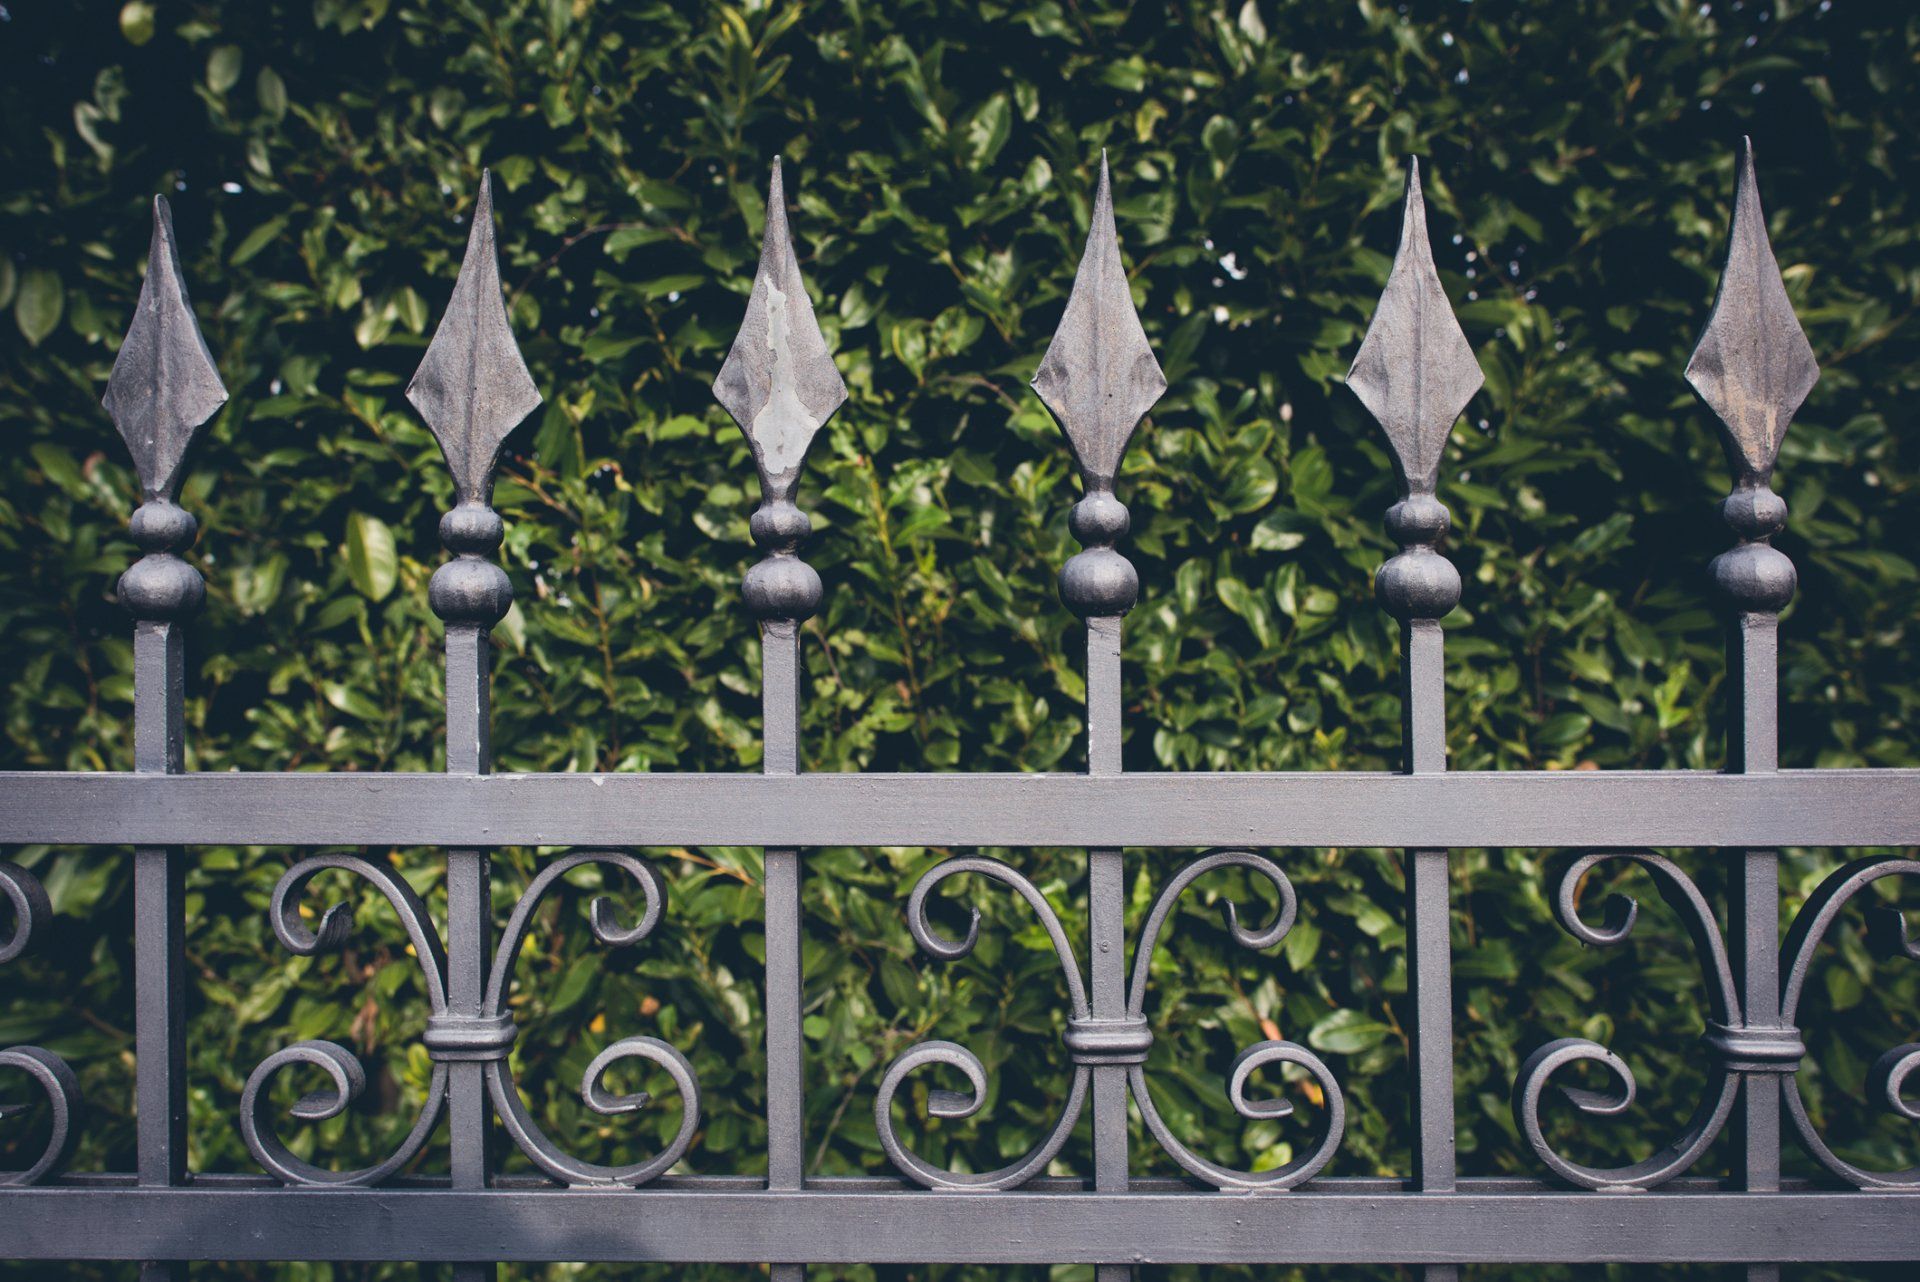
(1099, 378)
(164, 384)
(779, 381)
(472, 387)
(1753, 365)
(1415, 373)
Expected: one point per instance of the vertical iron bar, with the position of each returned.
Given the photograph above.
(1754, 367)
(1753, 906)
(1429, 931)
(1429, 914)
(159, 894)
(163, 387)
(1415, 373)
(472, 388)
(786, 1066)
(469, 918)
(1107, 922)
(780, 385)
(1099, 379)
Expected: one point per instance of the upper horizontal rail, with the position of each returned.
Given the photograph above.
(1565, 809)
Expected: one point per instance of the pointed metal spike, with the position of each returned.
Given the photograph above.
(1099, 376)
(1415, 370)
(1753, 365)
(164, 383)
(472, 387)
(779, 381)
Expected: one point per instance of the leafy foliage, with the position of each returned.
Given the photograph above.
(321, 158)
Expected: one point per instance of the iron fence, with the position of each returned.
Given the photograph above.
(1415, 373)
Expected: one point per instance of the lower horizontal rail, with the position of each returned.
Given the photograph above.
(1587, 808)
(1327, 1225)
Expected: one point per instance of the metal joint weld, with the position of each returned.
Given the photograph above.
(1756, 1048)
(469, 1038)
(1108, 1041)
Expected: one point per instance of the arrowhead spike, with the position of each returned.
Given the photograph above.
(164, 384)
(472, 387)
(1415, 371)
(1753, 365)
(779, 381)
(1099, 376)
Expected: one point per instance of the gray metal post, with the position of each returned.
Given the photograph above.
(1099, 378)
(1415, 373)
(1753, 367)
(164, 386)
(780, 385)
(472, 389)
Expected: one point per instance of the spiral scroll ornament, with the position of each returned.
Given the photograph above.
(526, 1132)
(1888, 937)
(953, 1104)
(29, 905)
(1253, 1058)
(452, 1036)
(343, 1070)
(1092, 1042)
(1735, 1047)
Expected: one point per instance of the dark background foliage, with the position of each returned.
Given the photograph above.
(322, 155)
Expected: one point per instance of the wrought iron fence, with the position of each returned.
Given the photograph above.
(1415, 372)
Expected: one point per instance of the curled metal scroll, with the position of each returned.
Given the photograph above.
(953, 1104)
(336, 1061)
(526, 1132)
(30, 906)
(1253, 1058)
(1710, 1115)
(1887, 1079)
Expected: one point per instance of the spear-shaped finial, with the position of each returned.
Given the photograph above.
(1415, 372)
(473, 389)
(780, 385)
(1753, 367)
(163, 387)
(1099, 378)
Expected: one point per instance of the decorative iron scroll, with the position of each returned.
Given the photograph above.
(952, 1104)
(1726, 1035)
(1253, 1058)
(1888, 937)
(30, 907)
(489, 1037)
(451, 1038)
(336, 1061)
(1093, 1042)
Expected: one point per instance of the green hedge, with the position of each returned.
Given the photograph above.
(321, 156)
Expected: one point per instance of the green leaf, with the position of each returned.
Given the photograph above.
(223, 68)
(271, 90)
(38, 304)
(1347, 1032)
(373, 566)
(136, 21)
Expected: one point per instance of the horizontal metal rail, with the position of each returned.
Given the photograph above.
(1333, 1222)
(1560, 809)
